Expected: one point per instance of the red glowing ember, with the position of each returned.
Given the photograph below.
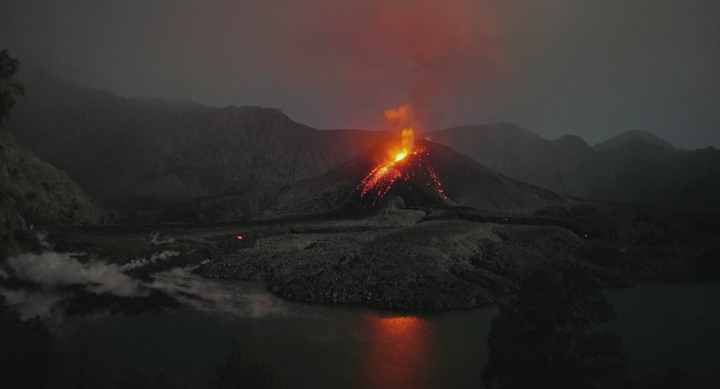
(239, 237)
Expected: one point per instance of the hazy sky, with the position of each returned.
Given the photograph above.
(591, 68)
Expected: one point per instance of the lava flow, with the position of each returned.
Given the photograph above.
(381, 179)
(397, 167)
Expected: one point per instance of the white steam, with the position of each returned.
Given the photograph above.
(209, 296)
(55, 270)
(163, 255)
(156, 239)
(42, 238)
(31, 304)
(60, 269)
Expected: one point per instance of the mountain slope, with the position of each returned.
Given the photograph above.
(463, 181)
(633, 135)
(178, 151)
(631, 171)
(32, 192)
(113, 146)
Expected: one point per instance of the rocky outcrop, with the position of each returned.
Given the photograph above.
(35, 194)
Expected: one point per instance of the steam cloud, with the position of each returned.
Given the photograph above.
(209, 296)
(136, 263)
(54, 270)
(156, 239)
(60, 269)
(31, 304)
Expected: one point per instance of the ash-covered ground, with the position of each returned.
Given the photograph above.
(410, 257)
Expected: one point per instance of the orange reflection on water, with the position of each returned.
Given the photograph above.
(398, 353)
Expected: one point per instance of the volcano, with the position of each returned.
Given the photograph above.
(432, 176)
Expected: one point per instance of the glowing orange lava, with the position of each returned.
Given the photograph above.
(396, 167)
(381, 179)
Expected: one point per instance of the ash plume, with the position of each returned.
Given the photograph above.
(402, 121)
(445, 42)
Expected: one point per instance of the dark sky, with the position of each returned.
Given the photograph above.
(591, 68)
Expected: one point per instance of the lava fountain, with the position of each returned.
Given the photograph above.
(397, 167)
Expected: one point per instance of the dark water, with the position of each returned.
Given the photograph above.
(312, 346)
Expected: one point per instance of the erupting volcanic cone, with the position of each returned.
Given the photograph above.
(410, 175)
(430, 176)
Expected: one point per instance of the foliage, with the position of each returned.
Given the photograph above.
(674, 378)
(10, 87)
(239, 371)
(26, 351)
(31, 359)
(543, 338)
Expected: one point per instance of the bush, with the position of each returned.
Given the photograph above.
(542, 338)
(240, 371)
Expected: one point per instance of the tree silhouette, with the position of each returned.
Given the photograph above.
(674, 378)
(240, 371)
(10, 87)
(26, 351)
(542, 338)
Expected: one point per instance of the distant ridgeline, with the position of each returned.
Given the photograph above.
(176, 151)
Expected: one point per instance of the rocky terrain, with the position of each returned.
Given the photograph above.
(452, 233)
(416, 248)
(414, 257)
(34, 193)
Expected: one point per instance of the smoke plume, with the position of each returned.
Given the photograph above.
(446, 41)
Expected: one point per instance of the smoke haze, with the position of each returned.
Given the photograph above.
(594, 69)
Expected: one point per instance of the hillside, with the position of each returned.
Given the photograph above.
(631, 171)
(462, 182)
(171, 150)
(145, 153)
(35, 194)
(633, 135)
